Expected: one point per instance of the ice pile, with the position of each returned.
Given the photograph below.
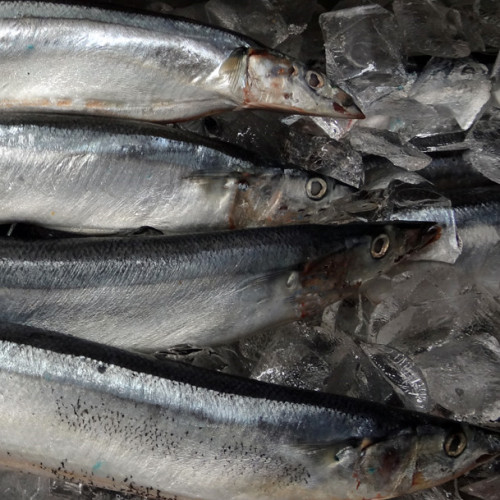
(427, 75)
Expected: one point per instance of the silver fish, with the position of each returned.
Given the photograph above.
(64, 58)
(82, 411)
(149, 293)
(107, 176)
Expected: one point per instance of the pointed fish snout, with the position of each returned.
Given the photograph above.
(344, 104)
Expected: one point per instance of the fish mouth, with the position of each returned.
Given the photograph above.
(344, 104)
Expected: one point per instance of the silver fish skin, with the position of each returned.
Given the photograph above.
(68, 58)
(105, 176)
(477, 212)
(82, 411)
(149, 293)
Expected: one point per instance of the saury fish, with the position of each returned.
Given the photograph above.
(106, 176)
(82, 411)
(66, 58)
(149, 293)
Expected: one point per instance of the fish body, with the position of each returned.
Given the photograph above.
(97, 176)
(82, 411)
(87, 60)
(149, 293)
(477, 213)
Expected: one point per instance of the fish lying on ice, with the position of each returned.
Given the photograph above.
(82, 411)
(149, 293)
(101, 175)
(66, 58)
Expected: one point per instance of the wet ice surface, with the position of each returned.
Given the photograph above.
(426, 336)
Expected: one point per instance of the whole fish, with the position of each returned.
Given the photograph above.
(67, 58)
(106, 176)
(82, 411)
(149, 293)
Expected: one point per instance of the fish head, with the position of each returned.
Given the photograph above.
(380, 246)
(411, 459)
(292, 196)
(275, 81)
(358, 253)
(450, 450)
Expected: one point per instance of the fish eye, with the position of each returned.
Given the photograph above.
(380, 246)
(455, 444)
(316, 188)
(314, 80)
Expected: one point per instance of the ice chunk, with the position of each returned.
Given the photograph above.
(268, 22)
(448, 371)
(489, 14)
(471, 23)
(431, 28)
(318, 359)
(295, 140)
(327, 156)
(484, 154)
(295, 357)
(402, 373)
(451, 141)
(461, 87)
(389, 145)
(428, 300)
(363, 50)
(363, 41)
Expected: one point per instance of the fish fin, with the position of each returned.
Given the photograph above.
(334, 450)
(219, 177)
(268, 276)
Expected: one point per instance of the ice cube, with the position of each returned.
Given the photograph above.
(430, 28)
(389, 145)
(271, 23)
(461, 87)
(489, 14)
(402, 373)
(484, 141)
(363, 41)
(292, 140)
(447, 368)
(327, 156)
(323, 359)
(295, 357)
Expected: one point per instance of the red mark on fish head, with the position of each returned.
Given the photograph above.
(338, 108)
